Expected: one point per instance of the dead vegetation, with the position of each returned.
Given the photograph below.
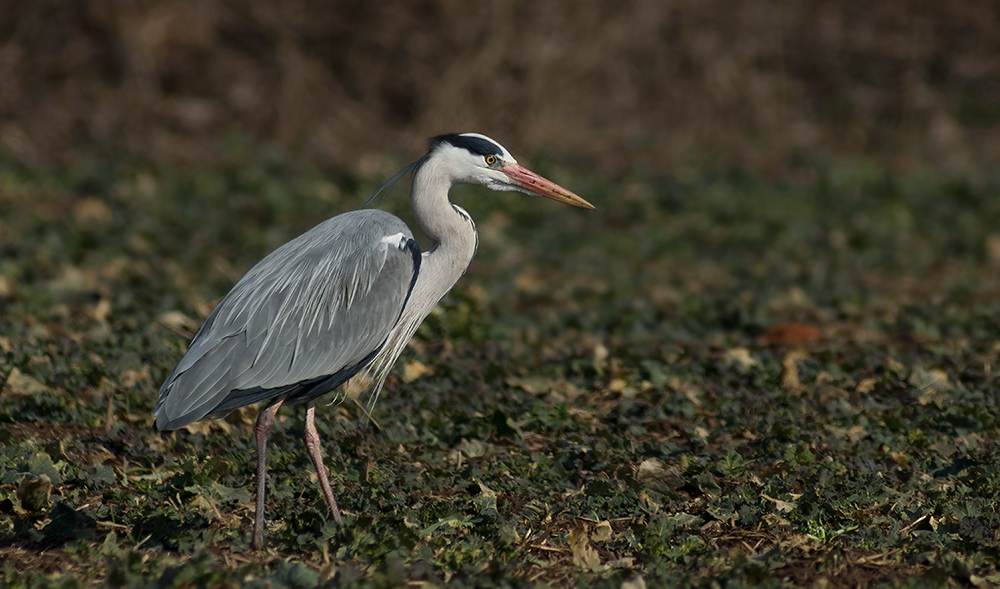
(639, 84)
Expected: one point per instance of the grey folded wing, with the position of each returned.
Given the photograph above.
(319, 306)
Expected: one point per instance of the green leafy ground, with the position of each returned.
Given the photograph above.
(717, 379)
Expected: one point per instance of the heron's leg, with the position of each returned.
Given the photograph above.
(265, 419)
(316, 453)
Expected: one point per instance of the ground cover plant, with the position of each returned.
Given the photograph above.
(720, 379)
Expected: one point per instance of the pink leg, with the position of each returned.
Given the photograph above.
(265, 419)
(316, 453)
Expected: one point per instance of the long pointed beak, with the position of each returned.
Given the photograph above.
(528, 181)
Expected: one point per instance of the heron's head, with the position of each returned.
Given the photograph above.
(472, 158)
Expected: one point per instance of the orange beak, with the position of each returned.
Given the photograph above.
(528, 181)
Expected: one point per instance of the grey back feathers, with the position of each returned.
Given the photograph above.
(322, 304)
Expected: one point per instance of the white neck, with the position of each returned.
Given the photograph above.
(455, 240)
(453, 234)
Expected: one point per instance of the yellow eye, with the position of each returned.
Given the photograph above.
(491, 160)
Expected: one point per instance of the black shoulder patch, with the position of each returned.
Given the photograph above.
(476, 145)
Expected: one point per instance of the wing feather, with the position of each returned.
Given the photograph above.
(322, 303)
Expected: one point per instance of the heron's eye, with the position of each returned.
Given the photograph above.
(491, 160)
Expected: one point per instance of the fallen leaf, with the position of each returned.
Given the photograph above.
(782, 506)
(414, 370)
(92, 212)
(600, 358)
(741, 358)
(853, 434)
(617, 385)
(75, 280)
(867, 385)
(895, 366)
(658, 477)
(101, 310)
(792, 334)
(790, 370)
(473, 448)
(536, 385)
(130, 378)
(205, 426)
(602, 532)
(22, 384)
(531, 282)
(359, 383)
(584, 555)
(33, 494)
(635, 582)
(933, 386)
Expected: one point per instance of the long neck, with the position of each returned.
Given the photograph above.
(451, 230)
(455, 240)
(434, 213)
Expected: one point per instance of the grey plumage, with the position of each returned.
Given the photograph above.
(343, 297)
(315, 307)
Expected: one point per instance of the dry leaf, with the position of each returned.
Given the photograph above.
(933, 386)
(867, 385)
(635, 582)
(658, 477)
(853, 434)
(131, 378)
(33, 494)
(602, 532)
(101, 310)
(536, 385)
(741, 358)
(204, 427)
(414, 370)
(790, 370)
(782, 506)
(92, 212)
(600, 358)
(359, 383)
(75, 280)
(22, 384)
(584, 555)
(792, 334)
(895, 366)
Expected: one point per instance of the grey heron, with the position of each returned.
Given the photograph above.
(343, 297)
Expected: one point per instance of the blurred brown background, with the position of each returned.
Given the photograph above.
(647, 85)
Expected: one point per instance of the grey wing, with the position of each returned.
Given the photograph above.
(319, 306)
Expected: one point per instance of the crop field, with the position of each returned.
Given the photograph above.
(720, 379)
